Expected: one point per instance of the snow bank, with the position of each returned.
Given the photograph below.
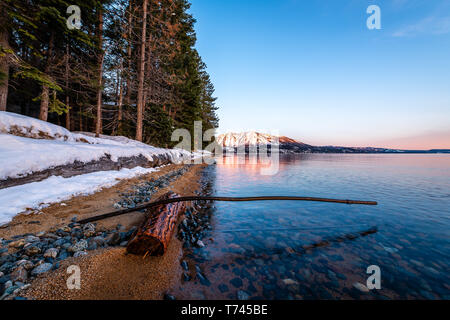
(21, 156)
(40, 194)
(18, 124)
(29, 145)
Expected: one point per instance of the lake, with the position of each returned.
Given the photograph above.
(306, 250)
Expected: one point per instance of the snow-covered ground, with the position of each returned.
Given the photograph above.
(37, 195)
(42, 145)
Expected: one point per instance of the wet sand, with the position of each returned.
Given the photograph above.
(108, 273)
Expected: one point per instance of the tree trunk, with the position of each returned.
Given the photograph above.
(129, 35)
(4, 68)
(154, 235)
(98, 126)
(43, 113)
(67, 88)
(140, 97)
(119, 104)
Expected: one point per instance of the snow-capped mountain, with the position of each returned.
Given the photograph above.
(251, 138)
(232, 141)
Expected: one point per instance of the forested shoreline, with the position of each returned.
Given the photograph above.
(130, 69)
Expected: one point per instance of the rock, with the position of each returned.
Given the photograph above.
(42, 268)
(89, 230)
(203, 279)
(80, 254)
(185, 265)
(236, 282)
(74, 218)
(63, 255)
(361, 287)
(6, 267)
(51, 253)
(200, 244)
(169, 297)
(124, 243)
(32, 250)
(59, 242)
(32, 239)
(8, 284)
(17, 244)
(242, 295)
(79, 246)
(19, 274)
(1, 274)
(113, 239)
(186, 277)
(5, 279)
(10, 290)
(99, 241)
(289, 282)
(92, 246)
(223, 288)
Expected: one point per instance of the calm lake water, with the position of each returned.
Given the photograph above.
(303, 250)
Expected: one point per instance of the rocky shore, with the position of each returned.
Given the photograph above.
(30, 256)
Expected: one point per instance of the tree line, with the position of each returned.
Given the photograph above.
(129, 68)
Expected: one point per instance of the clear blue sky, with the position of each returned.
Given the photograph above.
(313, 71)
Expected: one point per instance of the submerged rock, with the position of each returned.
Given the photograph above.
(361, 287)
(242, 295)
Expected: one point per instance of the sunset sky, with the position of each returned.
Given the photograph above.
(313, 71)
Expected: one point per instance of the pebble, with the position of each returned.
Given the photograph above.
(32, 250)
(89, 230)
(200, 244)
(289, 282)
(79, 246)
(17, 244)
(51, 253)
(80, 254)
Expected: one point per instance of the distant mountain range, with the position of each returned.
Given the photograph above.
(231, 142)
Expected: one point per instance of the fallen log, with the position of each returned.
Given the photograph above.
(153, 236)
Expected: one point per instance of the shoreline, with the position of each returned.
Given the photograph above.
(107, 273)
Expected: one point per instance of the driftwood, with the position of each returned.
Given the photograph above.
(233, 199)
(153, 236)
